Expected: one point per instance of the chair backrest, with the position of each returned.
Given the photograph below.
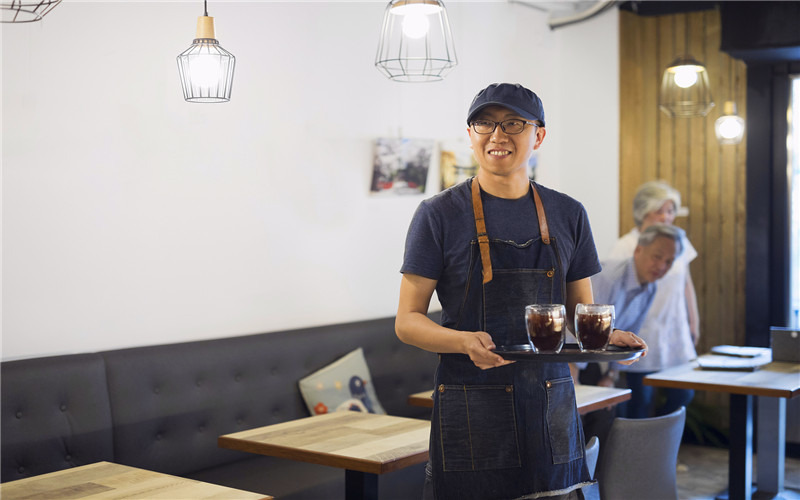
(640, 456)
(592, 492)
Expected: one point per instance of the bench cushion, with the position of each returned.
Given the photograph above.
(55, 414)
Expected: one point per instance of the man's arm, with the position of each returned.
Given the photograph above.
(414, 327)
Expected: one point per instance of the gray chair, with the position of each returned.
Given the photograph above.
(592, 492)
(640, 456)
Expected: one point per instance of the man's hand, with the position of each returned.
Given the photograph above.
(478, 346)
(628, 339)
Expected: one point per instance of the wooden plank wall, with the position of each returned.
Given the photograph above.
(685, 153)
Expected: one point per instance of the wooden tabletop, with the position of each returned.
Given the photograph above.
(587, 397)
(357, 441)
(776, 379)
(106, 480)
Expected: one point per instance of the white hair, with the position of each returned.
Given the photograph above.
(651, 196)
(674, 233)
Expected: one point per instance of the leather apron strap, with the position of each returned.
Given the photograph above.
(480, 226)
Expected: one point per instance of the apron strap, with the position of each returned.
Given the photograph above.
(480, 226)
(543, 229)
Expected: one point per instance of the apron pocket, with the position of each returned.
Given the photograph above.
(562, 421)
(478, 427)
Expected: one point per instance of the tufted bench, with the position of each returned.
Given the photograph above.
(163, 407)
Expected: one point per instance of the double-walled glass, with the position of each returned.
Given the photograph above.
(593, 326)
(545, 323)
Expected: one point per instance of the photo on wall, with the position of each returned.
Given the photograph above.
(400, 165)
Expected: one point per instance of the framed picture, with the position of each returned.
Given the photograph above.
(400, 165)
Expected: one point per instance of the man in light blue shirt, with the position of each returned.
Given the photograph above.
(630, 285)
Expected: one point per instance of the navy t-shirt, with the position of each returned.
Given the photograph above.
(438, 240)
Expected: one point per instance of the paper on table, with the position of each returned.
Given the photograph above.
(718, 362)
(740, 351)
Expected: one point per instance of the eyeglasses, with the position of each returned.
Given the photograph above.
(510, 127)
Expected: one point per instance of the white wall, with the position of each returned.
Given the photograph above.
(131, 217)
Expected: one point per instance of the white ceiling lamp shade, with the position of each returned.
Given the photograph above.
(416, 43)
(26, 11)
(685, 90)
(206, 69)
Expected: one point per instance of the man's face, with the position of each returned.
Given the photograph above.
(500, 153)
(653, 261)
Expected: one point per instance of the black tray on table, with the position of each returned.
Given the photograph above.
(570, 353)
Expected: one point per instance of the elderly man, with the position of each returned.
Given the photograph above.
(630, 285)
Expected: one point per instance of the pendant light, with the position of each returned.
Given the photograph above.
(729, 128)
(26, 11)
(416, 44)
(206, 68)
(685, 90)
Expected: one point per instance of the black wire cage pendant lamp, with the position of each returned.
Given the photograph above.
(206, 69)
(416, 43)
(685, 90)
(26, 11)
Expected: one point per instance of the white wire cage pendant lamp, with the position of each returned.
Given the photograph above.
(21, 11)
(416, 43)
(206, 69)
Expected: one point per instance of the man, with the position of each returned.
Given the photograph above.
(631, 285)
(489, 246)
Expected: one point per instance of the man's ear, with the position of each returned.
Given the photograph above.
(540, 133)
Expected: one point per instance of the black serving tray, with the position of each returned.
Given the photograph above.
(570, 353)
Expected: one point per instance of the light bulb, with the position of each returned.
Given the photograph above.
(730, 127)
(416, 25)
(204, 70)
(685, 76)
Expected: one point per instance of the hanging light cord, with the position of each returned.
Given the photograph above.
(205, 7)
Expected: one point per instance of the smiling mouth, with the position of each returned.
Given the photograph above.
(499, 153)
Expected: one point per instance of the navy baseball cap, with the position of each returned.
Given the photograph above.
(509, 95)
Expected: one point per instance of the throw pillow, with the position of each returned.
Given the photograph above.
(344, 384)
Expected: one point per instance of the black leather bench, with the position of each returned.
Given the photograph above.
(163, 407)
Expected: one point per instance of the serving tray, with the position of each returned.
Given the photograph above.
(570, 353)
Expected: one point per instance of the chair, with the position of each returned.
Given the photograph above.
(640, 456)
(592, 491)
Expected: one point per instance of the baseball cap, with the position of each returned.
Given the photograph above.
(509, 95)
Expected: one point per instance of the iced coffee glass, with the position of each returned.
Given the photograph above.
(545, 324)
(593, 326)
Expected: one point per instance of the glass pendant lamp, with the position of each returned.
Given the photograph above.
(685, 90)
(416, 44)
(206, 69)
(26, 11)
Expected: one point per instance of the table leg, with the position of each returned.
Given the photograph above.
(771, 438)
(360, 485)
(740, 458)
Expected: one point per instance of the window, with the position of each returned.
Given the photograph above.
(793, 171)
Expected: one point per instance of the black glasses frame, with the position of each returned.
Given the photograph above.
(502, 126)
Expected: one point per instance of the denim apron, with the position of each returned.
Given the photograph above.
(513, 431)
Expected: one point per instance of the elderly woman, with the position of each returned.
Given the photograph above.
(671, 327)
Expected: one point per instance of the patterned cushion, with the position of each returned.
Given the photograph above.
(344, 384)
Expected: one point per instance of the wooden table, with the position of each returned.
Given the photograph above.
(588, 397)
(773, 383)
(364, 444)
(106, 480)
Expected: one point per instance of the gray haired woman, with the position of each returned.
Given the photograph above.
(671, 327)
